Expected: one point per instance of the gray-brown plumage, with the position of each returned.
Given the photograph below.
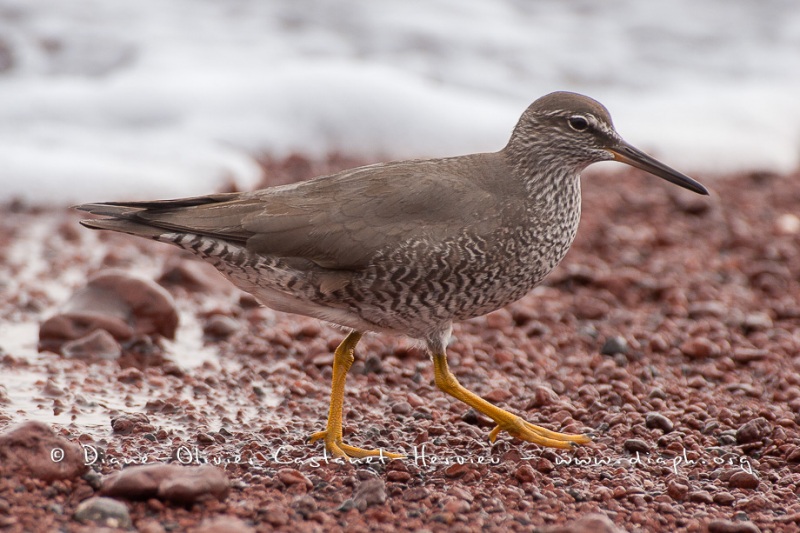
(405, 247)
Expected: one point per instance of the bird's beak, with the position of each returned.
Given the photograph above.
(625, 153)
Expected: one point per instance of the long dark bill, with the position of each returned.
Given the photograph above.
(625, 153)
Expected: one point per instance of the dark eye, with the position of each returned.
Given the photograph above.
(578, 123)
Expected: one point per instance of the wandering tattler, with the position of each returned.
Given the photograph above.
(406, 247)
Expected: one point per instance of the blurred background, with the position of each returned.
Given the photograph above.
(103, 99)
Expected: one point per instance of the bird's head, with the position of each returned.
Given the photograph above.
(572, 130)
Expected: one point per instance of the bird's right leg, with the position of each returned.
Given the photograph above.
(332, 435)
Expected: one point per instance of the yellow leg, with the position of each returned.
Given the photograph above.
(515, 425)
(332, 436)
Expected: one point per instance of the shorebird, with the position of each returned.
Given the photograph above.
(406, 247)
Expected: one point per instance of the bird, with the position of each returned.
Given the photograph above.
(406, 247)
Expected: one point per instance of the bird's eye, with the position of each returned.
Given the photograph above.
(578, 123)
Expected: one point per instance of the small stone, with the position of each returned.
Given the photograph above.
(701, 496)
(594, 522)
(180, 484)
(98, 345)
(416, 494)
(402, 408)
(787, 224)
(291, 476)
(757, 322)
(106, 512)
(456, 471)
(677, 491)
(658, 421)
(370, 492)
(636, 445)
(755, 430)
(724, 498)
(525, 474)
(743, 480)
(700, 348)
(223, 524)
(614, 345)
(398, 477)
(728, 526)
(220, 327)
(129, 423)
(542, 396)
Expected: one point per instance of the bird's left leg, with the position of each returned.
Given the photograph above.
(506, 421)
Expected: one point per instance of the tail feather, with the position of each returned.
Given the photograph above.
(124, 226)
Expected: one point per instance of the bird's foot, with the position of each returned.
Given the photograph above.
(335, 446)
(519, 428)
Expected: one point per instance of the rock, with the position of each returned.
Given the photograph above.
(97, 345)
(755, 430)
(525, 473)
(129, 423)
(594, 522)
(105, 512)
(370, 492)
(33, 449)
(700, 348)
(677, 491)
(220, 327)
(743, 480)
(636, 445)
(727, 526)
(787, 224)
(614, 345)
(291, 476)
(658, 421)
(193, 275)
(402, 408)
(123, 304)
(180, 484)
(223, 524)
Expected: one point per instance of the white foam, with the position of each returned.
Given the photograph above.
(149, 99)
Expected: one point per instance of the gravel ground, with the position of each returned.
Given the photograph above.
(671, 331)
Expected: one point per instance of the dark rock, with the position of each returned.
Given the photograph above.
(658, 421)
(636, 445)
(614, 345)
(753, 431)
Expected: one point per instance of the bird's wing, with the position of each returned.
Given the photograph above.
(340, 221)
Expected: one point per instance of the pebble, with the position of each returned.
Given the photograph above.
(728, 526)
(291, 476)
(180, 484)
(223, 524)
(121, 303)
(743, 480)
(701, 496)
(636, 445)
(97, 345)
(105, 512)
(369, 492)
(33, 449)
(220, 327)
(614, 345)
(787, 224)
(129, 423)
(677, 491)
(658, 421)
(755, 430)
(724, 498)
(525, 474)
(402, 408)
(594, 522)
(699, 348)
